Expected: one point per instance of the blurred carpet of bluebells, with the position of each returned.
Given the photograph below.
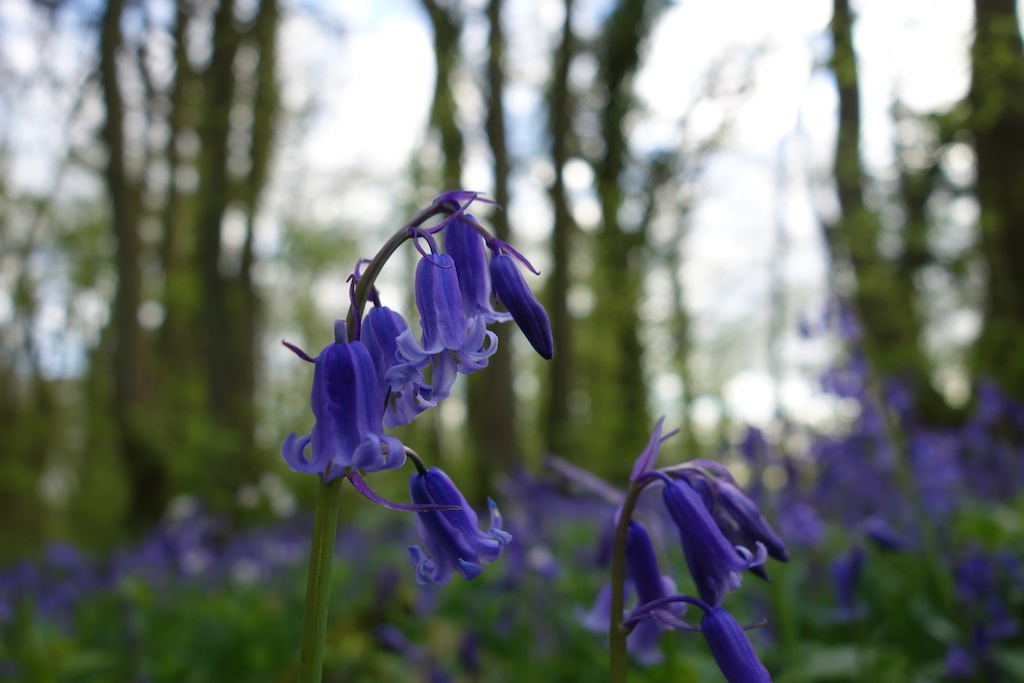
(908, 565)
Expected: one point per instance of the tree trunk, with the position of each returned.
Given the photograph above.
(996, 97)
(885, 307)
(617, 389)
(147, 475)
(557, 435)
(442, 115)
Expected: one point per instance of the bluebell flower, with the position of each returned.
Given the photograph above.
(960, 662)
(883, 534)
(512, 290)
(748, 518)
(597, 618)
(467, 249)
(642, 565)
(453, 538)
(650, 585)
(407, 393)
(644, 639)
(453, 343)
(715, 564)
(439, 300)
(348, 404)
(801, 524)
(731, 648)
(846, 572)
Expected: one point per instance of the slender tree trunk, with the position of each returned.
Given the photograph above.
(215, 195)
(442, 116)
(266, 106)
(178, 244)
(886, 310)
(557, 433)
(146, 473)
(618, 394)
(996, 97)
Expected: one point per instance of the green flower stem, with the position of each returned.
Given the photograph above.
(617, 633)
(328, 497)
(318, 587)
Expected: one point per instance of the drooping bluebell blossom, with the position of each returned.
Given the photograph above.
(801, 524)
(467, 249)
(715, 564)
(453, 343)
(883, 534)
(512, 290)
(748, 519)
(597, 618)
(731, 648)
(407, 393)
(846, 573)
(453, 538)
(642, 565)
(650, 585)
(348, 404)
(439, 301)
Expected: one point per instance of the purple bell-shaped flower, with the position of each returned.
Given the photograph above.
(453, 538)
(348, 405)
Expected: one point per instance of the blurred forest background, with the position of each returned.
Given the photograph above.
(164, 226)
(725, 205)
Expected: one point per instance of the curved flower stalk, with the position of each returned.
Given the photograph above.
(372, 377)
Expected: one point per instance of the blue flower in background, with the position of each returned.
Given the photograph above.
(715, 563)
(846, 572)
(742, 512)
(642, 566)
(453, 538)
(642, 570)
(731, 648)
(348, 404)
